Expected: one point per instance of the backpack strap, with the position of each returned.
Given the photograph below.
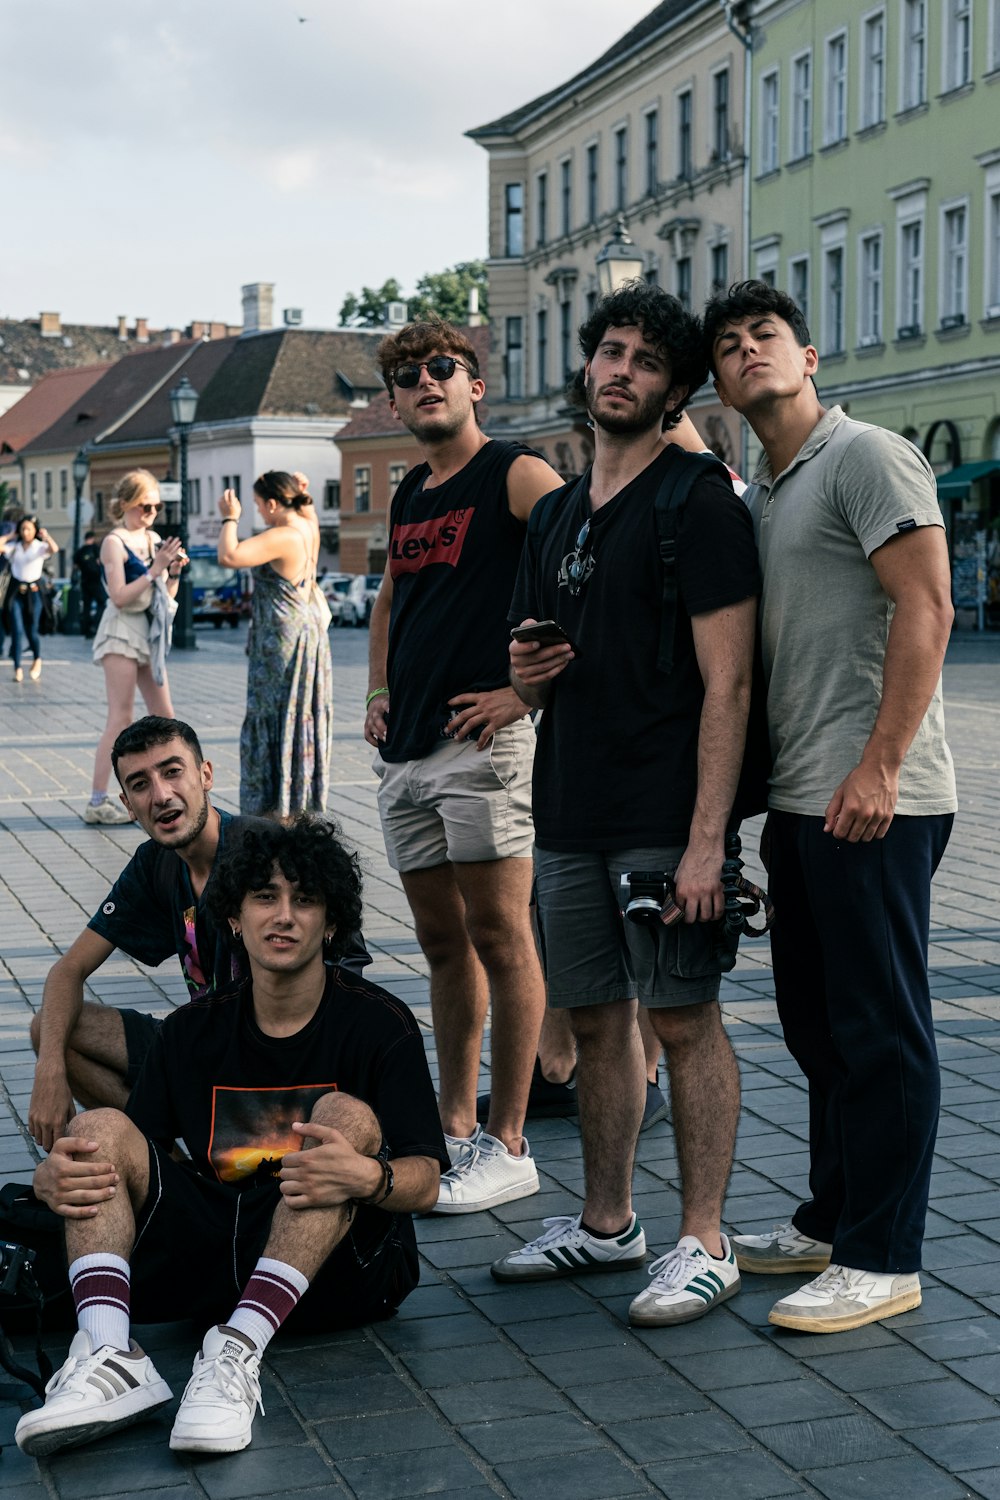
(680, 474)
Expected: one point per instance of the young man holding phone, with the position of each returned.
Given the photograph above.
(636, 770)
(455, 749)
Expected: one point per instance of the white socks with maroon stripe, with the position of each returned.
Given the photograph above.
(101, 1294)
(268, 1297)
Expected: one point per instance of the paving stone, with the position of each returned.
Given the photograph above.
(984, 1482)
(584, 1330)
(343, 1398)
(533, 1437)
(81, 1474)
(591, 1367)
(734, 1367)
(956, 1340)
(893, 1476)
(931, 1403)
(832, 1440)
(648, 1440)
(584, 1476)
(720, 1331)
(798, 1400)
(728, 1476)
(966, 1445)
(255, 1472)
(513, 1304)
(455, 1366)
(425, 1472)
(438, 1333)
(653, 1395)
(493, 1400)
(895, 1364)
(400, 1432)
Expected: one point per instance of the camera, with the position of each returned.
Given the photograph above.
(643, 894)
(16, 1262)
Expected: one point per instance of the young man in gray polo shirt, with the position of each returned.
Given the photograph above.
(855, 616)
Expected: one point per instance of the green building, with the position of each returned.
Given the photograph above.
(875, 201)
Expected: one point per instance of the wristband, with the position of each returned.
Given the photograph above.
(230, 521)
(382, 1192)
(378, 693)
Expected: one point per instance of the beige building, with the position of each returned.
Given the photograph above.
(652, 132)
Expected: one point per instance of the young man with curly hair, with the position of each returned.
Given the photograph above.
(855, 617)
(637, 770)
(455, 749)
(305, 1104)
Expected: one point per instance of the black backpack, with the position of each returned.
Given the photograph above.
(681, 472)
(34, 1284)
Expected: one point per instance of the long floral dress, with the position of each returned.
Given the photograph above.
(286, 743)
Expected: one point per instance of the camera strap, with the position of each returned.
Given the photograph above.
(20, 1281)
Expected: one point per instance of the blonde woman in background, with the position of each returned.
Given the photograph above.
(133, 635)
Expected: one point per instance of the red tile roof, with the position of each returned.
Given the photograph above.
(44, 404)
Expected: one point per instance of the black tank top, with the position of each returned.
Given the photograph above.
(454, 552)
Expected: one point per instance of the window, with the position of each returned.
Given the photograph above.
(801, 105)
(541, 207)
(362, 489)
(833, 300)
(719, 267)
(835, 122)
(914, 90)
(683, 275)
(621, 167)
(33, 488)
(566, 338)
(591, 300)
(769, 122)
(331, 494)
(63, 488)
(48, 489)
(954, 266)
(231, 482)
(993, 253)
(194, 497)
(873, 70)
(397, 473)
(514, 359)
(513, 219)
(651, 275)
(870, 278)
(541, 351)
(993, 39)
(798, 283)
(592, 195)
(566, 195)
(957, 43)
(652, 150)
(685, 153)
(720, 115)
(911, 278)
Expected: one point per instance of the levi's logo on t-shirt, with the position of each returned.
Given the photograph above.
(420, 543)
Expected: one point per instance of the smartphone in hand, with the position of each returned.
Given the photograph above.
(546, 633)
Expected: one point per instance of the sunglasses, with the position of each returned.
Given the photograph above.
(151, 506)
(439, 367)
(580, 563)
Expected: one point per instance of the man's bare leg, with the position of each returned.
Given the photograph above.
(111, 1230)
(652, 1047)
(705, 1095)
(96, 1057)
(611, 1092)
(556, 1047)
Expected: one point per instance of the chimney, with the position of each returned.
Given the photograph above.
(199, 330)
(122, 328)
(258, 306)
(171, 336)
(51, 325)
(216, 330)
(142, 330)
(474, 317)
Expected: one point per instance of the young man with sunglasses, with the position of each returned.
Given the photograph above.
(855, 618)
(455, 749)
(636, 770)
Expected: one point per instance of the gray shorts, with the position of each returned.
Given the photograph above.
(591, 954)
(459, 804)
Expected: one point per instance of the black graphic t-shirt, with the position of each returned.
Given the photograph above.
(151, 912)
(215, 1081)
(454, 551)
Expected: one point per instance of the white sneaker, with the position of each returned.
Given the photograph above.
(687, 1283)
(221, 1398)
(842, 1298)
(784, 1250)
(486, 1175)
(567, 1250)
(106, 812)
(456, 1144)
(95, 1392)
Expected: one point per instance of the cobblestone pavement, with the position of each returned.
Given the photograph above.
(543, 1391)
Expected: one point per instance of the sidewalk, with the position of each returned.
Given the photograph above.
(477, 1389)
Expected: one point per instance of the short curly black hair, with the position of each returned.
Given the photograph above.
(664, 322)
(750, 299)
(309, 853)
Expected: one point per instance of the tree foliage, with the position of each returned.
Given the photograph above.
(444, 294)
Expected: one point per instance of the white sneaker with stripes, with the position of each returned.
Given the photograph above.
(95, 1392)
(567, 1250)
(686, 1284)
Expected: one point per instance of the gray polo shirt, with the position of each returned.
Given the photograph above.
(825, 618)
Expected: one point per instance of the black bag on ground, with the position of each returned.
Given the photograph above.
(34, 1284)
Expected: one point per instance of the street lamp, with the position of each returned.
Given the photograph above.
(81, 468)
(619, 261)
(183, 408)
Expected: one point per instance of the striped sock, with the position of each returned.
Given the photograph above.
(268, 1297)
(101, 1294)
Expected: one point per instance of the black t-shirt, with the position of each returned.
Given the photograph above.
(454, 552)
(616, 764)
(151, 912)
(88, 559)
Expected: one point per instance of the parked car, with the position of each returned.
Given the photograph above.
(218, 594)
(363, 591)
(337, 589)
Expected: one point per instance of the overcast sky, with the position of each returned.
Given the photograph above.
(154, 157)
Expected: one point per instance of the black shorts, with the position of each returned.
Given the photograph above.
(197, 1243)
(140, 1030)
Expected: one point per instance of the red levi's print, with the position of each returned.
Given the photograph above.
(420, 543)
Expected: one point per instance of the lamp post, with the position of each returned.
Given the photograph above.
(619, 261)
(81, 468)
(183, 408)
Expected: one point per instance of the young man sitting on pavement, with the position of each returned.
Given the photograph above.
(156, 907)
(304, 1100)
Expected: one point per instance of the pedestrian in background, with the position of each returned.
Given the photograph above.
(133, 637)
(87, 561)
(27, 549)
(286, 743)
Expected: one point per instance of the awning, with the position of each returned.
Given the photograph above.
(957, 482)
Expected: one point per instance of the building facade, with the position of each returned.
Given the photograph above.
(653, 132)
